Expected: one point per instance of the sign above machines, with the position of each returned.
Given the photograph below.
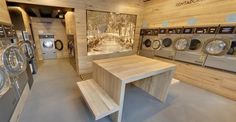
(188, 2)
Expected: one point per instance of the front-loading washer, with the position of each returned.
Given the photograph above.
(8, 94)
(194, 53)
(167, 38)
(181, 45)
(149, 42)
(222, 50)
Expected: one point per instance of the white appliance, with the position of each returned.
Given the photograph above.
(222, 50)
(48, 46)
(167, 38)
(149, 42)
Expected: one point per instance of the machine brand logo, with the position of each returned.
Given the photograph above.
(188, 2)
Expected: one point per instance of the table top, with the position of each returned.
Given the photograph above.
(134, 67)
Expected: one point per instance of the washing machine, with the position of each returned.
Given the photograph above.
(167, 38)
(149, 42)
(48, 46)
(27, 48)
(222, 50)
(182, 44)
(192, 52)
(9, 94)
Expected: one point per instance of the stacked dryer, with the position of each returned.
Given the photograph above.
(167, 38)
(149, 42)
(222, 50)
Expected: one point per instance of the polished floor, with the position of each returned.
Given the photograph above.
(56, 98)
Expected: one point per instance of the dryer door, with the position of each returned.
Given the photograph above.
(27, 48)
(217, 47)
(4, 82)
(181, 44)
(156, 45)
(13, 60)
(167, 42)
(195, 44)
(147, 43)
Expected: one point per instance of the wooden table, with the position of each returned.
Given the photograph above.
(113, 74)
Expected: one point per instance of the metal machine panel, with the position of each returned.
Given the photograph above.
(222, 54)
(168, 37)
(48, 46)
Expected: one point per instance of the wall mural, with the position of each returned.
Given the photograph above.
(109, 32)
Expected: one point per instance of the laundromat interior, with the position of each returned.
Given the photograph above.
(117, 60)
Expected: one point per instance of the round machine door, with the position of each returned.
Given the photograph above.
(13, 60)
(48, 44)
(195, 44)
(156, 45)
(181, 44)
(148, 43)
(27, 48)
(167, 42)
(4, 82)
(217, 47)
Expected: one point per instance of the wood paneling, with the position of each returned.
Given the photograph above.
(119, 6)
(217, 81)
(205, 12)
(113, 74)
(4, 14)
(49, 25)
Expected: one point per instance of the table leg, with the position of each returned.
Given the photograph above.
(113, 86)
(157, 85)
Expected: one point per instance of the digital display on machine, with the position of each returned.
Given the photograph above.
(155, 31)
(8, 31)
(188, 30)
(226, 30)
(1, 32)
(179, 30)
(162, 31)
(201, 30)
(171, 31)
(212, 30)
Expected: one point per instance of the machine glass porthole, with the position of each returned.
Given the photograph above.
(27, 48)
(167, 42)
(181, 44)
(13, 60)
(148, 43)
(4, 82)
(216, 47)
(48, 44)
(195, 44)
(156, 44)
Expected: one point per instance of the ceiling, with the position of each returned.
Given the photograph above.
(42, 11)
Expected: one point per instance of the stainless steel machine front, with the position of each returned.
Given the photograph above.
(48, 46)
(193, 53)
(149, 42)
(222, 50)
(167, 38)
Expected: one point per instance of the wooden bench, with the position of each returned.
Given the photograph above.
(99, 102)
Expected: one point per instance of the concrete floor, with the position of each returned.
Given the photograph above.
(56, 98)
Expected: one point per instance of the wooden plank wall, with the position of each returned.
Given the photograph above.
(217, 81)
(120, 6)
(4, 14)
(49, 25)
(159, 12)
